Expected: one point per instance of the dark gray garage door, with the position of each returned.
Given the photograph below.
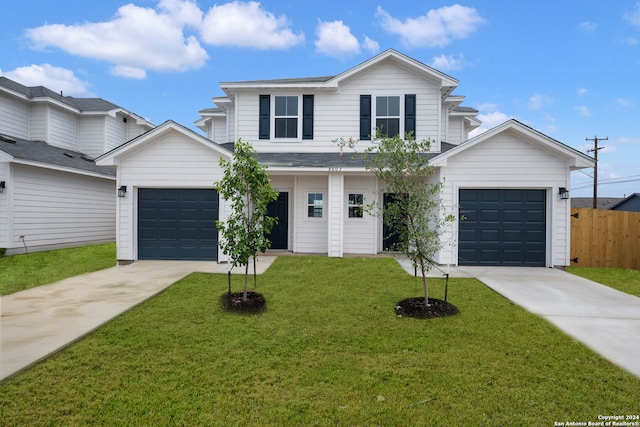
(177, 224)
(502, 227)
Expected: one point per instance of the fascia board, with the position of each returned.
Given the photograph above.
(63, 169)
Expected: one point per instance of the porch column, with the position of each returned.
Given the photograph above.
(335, 211)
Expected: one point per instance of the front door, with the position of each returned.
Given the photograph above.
(279, 235)
(390, 236)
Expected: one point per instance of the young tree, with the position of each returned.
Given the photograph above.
(246, 186)
(415, 211)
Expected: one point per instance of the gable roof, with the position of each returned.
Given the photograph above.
(80, 105)
(602, 203)
(448, 83)
(110, 158)
(575, 158)
(624, 201)
(41, 154)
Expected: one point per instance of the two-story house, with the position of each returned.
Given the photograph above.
(510, 183)
(52, 194)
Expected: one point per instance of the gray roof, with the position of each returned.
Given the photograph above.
(41, 152)
(465, 110)
(319, 79)
(587, 202)
(82, 104)
(317, 160)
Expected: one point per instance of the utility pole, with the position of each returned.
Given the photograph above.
(595, 150)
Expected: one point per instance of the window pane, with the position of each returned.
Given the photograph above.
(292, 105)
(381, 106)
(355, 199)
(292, 128)
(388, 127)
(355, 212)
(281, 105)
(393, 106)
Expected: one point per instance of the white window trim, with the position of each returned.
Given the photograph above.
(272, 119)
(375, 113)
(364, 202)
(307, 205)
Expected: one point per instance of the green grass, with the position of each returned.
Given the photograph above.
(20, 272)
(624, 280)
(327, 351)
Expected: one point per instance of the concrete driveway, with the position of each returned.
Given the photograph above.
(602, 318)
(37, 322)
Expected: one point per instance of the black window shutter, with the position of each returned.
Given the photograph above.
(410, 114)
(365, 117)
(307, 116)
(264, 130)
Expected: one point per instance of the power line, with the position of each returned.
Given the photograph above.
(580, 187)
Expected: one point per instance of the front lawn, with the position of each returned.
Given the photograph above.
(24, 271)
(328, 350)
(624, 280)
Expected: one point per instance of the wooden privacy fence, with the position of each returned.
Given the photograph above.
(603, 238)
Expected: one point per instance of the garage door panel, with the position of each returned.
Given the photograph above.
(509, 227)
(177, 224)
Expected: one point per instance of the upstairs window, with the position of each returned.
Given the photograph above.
(388, 115)
(286, 116)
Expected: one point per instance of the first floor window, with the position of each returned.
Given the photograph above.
(314, 205)
(355, 205)
(286, 116)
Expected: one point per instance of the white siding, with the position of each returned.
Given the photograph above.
(116, 131)
(173, 161)
(219, 132)
(39, 126)
(337, 114)
(5, 201)
(133, 130)
(455, 131)
(310, 234)
(63, 129)
(92, 132)
(55, 209)
(335, 206)
(14, 117)
(506, 161)
(360, 234)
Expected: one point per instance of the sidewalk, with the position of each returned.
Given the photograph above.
(40, 321)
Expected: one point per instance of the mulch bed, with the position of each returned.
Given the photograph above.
(415, 307)
(255, 302)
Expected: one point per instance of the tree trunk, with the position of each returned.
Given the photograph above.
(246, 281)
(424, 284)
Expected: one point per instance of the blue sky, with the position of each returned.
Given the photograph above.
(567, 68)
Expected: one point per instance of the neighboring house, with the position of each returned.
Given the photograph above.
(52, 194)
(602, 203)
(505, 183)
(630, 204)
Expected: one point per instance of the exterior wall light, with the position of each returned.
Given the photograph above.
(564, 193)
(2, 186)
(122, 191)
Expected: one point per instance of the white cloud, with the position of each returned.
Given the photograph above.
(583, 110)
(538, 101)
(137, 37)
(183, 12)
(446, 63)
(624, 103)
(588, 26)
(371, 46)
(581, 91)
(335, 40)
(439, 27)
(633, 17)
(55, 78)
(247, 24)
(129, 72)
(489, 119)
